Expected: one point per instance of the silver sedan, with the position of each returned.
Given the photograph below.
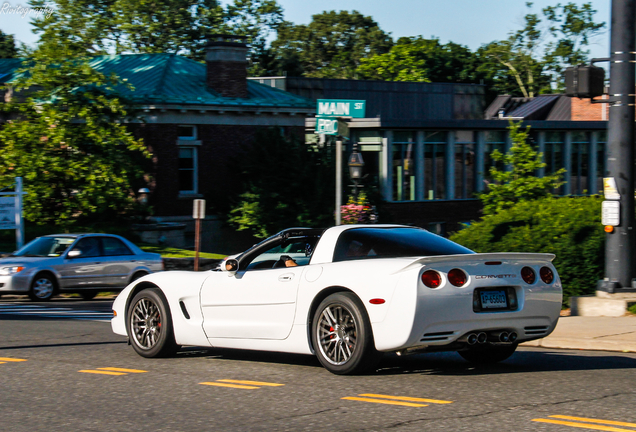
(81, 263)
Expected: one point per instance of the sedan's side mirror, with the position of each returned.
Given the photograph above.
(74, 253)
(231, 266)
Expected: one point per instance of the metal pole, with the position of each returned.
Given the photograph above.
(619, 249)
(197, 242)
(19, 222)
(338, 180)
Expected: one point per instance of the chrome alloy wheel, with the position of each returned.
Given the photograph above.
(43, 288)
(145, 322)
(337, 334)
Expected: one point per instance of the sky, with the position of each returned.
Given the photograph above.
(466, 22)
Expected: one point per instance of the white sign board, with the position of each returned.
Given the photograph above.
(610, 191)
(611, 213)
(7, 213)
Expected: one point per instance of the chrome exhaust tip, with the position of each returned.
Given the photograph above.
(471, 339)
(512, 337)
(504, 337)
(482, 338)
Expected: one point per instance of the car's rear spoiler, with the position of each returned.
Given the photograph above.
(486, 257)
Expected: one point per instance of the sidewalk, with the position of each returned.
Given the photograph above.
(592, 333)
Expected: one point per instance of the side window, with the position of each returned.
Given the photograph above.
(298, 250)
(113, 247)
(89, 247)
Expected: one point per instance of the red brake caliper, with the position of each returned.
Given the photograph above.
(331, 329)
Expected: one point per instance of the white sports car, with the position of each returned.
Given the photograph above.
(348, 294)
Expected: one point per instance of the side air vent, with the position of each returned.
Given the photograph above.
(184, 310)
(435, 337)
(535, 330)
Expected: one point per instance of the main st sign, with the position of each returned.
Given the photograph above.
(329, 111)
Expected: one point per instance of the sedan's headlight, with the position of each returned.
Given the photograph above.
(6, 271)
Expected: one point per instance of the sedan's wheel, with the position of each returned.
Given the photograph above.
(150, 324)
(342, 335)
(488, 354)
(42, 288)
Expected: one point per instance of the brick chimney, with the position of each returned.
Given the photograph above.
(226, 60)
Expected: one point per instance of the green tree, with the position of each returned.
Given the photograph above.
(68, 142)
(517, 181)
(533, 65)
(159, 26)
(7, 46)
(286, 183)
(424, 60)
(332, 44)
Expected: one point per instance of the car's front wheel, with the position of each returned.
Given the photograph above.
(488, 354)
(150, 324)
(42, 288)
(342, 335)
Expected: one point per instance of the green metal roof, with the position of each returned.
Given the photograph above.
(172, 79)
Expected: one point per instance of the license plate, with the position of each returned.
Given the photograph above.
(493, 299)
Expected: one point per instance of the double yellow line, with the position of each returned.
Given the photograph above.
(9, 359)
(112, 371)
(241, 384)
(395, 400)
(587, 423)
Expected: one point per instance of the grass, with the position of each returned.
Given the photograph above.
(172, 252)
(632, 309)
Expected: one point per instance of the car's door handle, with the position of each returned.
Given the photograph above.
(286, 277)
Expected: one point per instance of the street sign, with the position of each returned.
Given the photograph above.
(327, 126)
(610, 191)
(198, 210)
(610, 213)
(341, 108)
(7, 213)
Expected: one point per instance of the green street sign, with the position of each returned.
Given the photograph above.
(332, 126)
(341, 108)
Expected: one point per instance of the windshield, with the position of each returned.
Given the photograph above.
(366, 243)
(45, 247)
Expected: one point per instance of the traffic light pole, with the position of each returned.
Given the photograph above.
(619, 249)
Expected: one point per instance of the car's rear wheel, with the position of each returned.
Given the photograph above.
(43, 287)
(342, 335)
(150, 324)
(488, 354)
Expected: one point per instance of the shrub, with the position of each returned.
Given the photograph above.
(568, 227)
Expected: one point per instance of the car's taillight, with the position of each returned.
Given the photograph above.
(546, 275)
(431, 278)
(528, 275)
(457, 277)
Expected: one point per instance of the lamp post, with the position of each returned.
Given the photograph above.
(143, 195)
(356, 163)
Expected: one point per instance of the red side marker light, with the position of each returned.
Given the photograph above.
(377, 301)
(431, 278)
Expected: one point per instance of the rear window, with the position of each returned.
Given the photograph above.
(366, 243)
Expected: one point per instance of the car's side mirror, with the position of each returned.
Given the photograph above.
(74, 253)
(231, 265)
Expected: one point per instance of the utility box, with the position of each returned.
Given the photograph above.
(584, 81)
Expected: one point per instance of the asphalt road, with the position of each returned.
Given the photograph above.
(74, 374)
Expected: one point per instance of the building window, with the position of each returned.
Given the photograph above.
(601, 161)
(580, 163)
(186, 132)
(435, 143)
(494, 140)
(553, 156)
(464, 164)
(187, 170)
(403, 166)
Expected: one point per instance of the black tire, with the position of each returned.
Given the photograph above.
(342, 337)
(488, 354)
(43, 287)
(149, 324)
(88, 294)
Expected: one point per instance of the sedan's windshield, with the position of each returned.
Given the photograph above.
(45, 247)
(365, 243)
